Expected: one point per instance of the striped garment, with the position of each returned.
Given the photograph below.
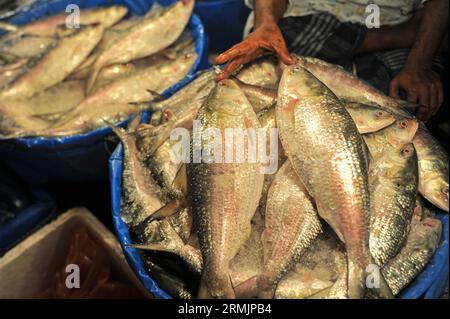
(323, 36)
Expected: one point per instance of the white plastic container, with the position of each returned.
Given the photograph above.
(27, 269)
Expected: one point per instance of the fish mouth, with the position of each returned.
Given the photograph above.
(411, 125)
(440, 199)
(407, 150)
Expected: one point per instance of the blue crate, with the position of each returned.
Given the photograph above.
(83, 157)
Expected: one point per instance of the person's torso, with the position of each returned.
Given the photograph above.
(391, 12)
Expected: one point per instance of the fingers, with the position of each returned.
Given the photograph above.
(394, 87)
(283, 53)
(423, 96)
(434, 98)
(422, 113)
(235, 51)
(232, 66)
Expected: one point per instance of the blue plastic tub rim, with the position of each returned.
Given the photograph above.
(135, 7)
(122, 231)
(428, 284)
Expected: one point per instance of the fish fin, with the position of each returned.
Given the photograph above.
(367, 155)
(169, 209)
(120, 132)
(49, 117)
(8, 27)
(157, 96)
(225, 289)
(330, 220)
(266, 287)
(355, 280)
(383, 291)
(134, 123)
(247, 289)
(180, 181)
(153, 247)
(92, 78)
(203, 291)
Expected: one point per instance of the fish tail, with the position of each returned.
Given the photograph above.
(355, 280)
(221, 288)
(120, 132)
(203, 291)
(92, 77)
(266, 287)
(135, 122)
(247, 289)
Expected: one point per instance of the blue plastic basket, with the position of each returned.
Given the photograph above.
(224, 21)
(83, 157)
(429, 284)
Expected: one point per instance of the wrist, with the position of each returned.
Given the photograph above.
(419, 60)
(265, 21)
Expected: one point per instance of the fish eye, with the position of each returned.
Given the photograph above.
(407, 150)
(379, 113)
(445, 190)
(403, 124)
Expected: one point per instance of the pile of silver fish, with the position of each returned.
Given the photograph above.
(347, 214)
(61, 80)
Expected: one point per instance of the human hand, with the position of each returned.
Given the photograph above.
(266, 37)
(423, 86)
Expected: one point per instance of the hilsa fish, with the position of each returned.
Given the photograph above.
(224, 196)
(309, 116)
(162, 29)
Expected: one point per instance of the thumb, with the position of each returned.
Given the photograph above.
(283, 54)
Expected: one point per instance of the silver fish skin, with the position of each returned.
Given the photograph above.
(14, 121)
(11, 69)
(264, 72)
(433, 168)
(179, 111)
(291, 225)
(260, 98)
(393, 190)
(58, 99)
(420, 246)
(27, 46)
(391, 138)
(368, 118)
(54, 66)
(317, 271)
(48, 26)
(142, 197)
(309, 116)
(126, 94)
(224, 196)
(134, 43)
(247, 265)
(347, 86)
(171, 242)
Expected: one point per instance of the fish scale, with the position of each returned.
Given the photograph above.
(307, 110)
(224, 196)
(291, 225)
(433, 168)
(393, 188)
(163, 29)
(54, 66)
